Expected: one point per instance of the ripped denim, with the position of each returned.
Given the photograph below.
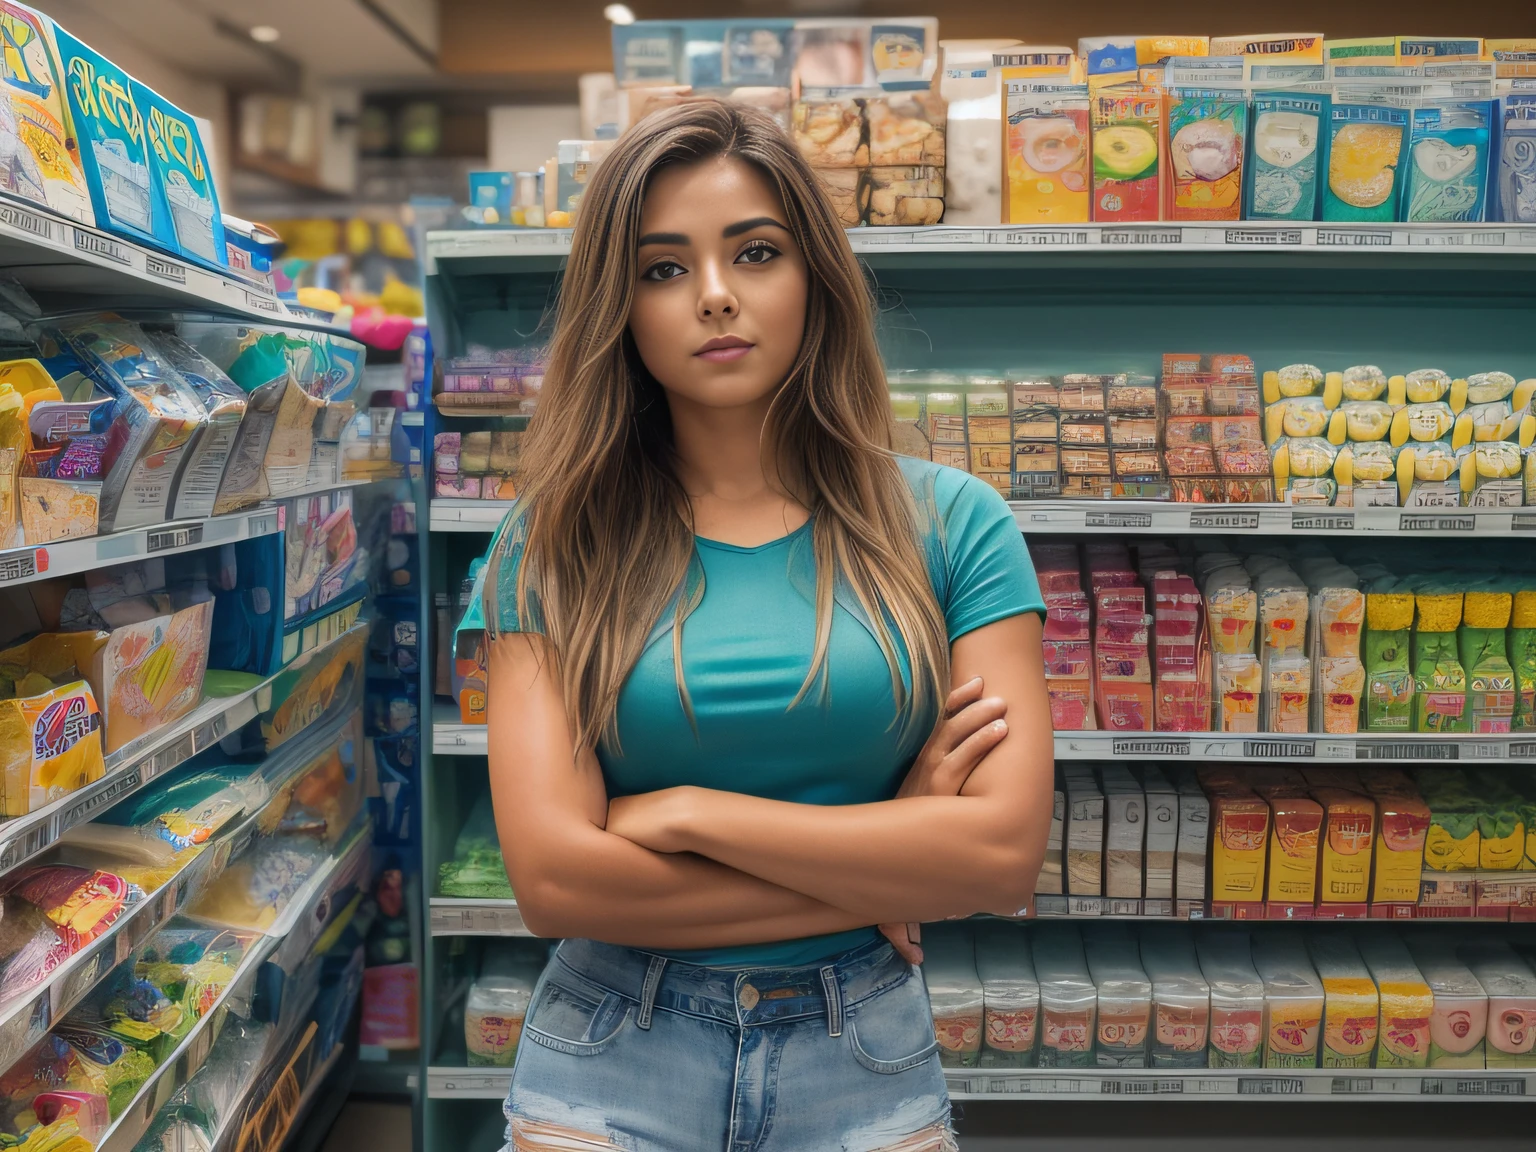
(625, 1050)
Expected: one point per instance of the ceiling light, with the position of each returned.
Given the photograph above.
(265, 34)
(619, 14)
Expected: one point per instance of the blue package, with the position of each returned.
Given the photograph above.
(648, 52)
(490, 195)
(114, 144)
(757, 54)
(1447, 179)
(1514, 164)
(1287, 146)
(182, 180)
(1367, 145)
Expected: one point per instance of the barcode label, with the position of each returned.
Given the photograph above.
(1322, 521)
(1354, 237)
(1126, 747)
(1210, 521)
(262, 303)
(1411, 523)
(1491, 1086)
(22, 566)
(1406, 750)
(101, 246)
(1270, 1086)
(166, 269)
(1118, 520)
(181, 536)
(119, 785)
(1140, 236)
(1046, 238)
(1280, 749)
(25, 221)
(1268, 236)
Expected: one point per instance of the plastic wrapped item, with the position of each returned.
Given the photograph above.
(954, 989)
(1287, 138)
(495, 1009)
(1368, 133)
(1407, 1003)
(252, 891)
(906, 196)
(1511, 988)
(1181, 997)
(1068, 998)
(906, 128)
(235, 1060)
(1293, 1000)
(1124, 996)
(1458, 1021)
(112, 1066)
(1207, 113)
(1351, 1004)
(847, 191)
(1127, 161)
(1447, 179)
(1237, 999)
(31, 946)
(828, 127)
(83, 903)
(202, 480)
(1010, 994)
(477, 869)
(50, 726)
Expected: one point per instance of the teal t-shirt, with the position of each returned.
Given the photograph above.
(746, 651)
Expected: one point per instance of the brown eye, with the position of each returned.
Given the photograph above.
(666, 270)
(759, 253)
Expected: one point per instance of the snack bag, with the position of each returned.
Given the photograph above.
(1286, 157)
(1207, 114)
(1407, 1003)
(1125, 996)
(949, 966)
(1048, 164)
(50, 743)
(31, 946)
(1237, 1000)
(1368, 135)
(1439, 678)
(1448, 174)
(42, 164)
(1351, 1004)
(1458, 1022)
(82, 902)
(1482, 646)
(151, 673)
(1127, 164)
(1068, 998)
(1522, 658)
(1011, 995)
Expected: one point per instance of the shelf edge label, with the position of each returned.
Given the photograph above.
(101, 246)
(163, 269)
(24, 221)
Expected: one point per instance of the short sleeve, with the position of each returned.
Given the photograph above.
(497, 574)
(990, 576)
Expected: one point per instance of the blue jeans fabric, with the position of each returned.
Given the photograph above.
(625, 1050)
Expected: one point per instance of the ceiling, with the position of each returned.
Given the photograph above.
(318, 40)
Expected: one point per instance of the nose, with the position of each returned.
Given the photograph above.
(716, 300)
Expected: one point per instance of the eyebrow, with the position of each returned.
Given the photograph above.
(741, 226)
(663, 238)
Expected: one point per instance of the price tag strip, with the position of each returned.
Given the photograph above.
(1366, 746)
(456, 917)
(1121, 517)
(468, 1083)
(1313, 1084)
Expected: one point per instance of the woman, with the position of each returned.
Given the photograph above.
(723, 619)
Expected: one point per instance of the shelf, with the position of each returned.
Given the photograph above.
(1425, 241)
(50, 255)
(1127, 517)
(131, 767)
(1213, 1083)
(452, 916)
(452, 739)
(450, 515)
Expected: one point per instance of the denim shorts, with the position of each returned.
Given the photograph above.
(622, 1049)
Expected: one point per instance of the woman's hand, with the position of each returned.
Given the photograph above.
(655, 820)
(970, 728)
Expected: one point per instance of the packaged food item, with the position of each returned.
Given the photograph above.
(1407, 1003)
(954, 989)
(1194, 838)
(1124, 996)
(50, 733)
(1402, 821)
(150, 673)
(1047, 168)
(1068, 998)
(1011, 995)
(116, 1068)
(82, 902)
(1511, 988)
(1439, 679)
(1299, 47)
(1482, 646)
(43, 166)
(1293, 1000)
(495, 1009)
(1124, 835)
(906, 196)
(1241, 833)
(1351, 1004)
(1344, 862)
(1453, 841)
(252, 892)
(1287, 693)
(182, 179)
(31, 946)
(1389, 681)
(1127, 162)
(1111, 60)
(1162, 836)
(1207, 115)
(828, 127)
(1514, 176)
(211, 471)
(1286, 150)
(1368, 134)
(1458, 1020)
(1181, 997)
(1447, 179)
(1294, 823)
(1522, 657)
(477, 869)
(1237, 1028)
(1085, 836)
(906, 128)
(971, 85)
(1049, 882)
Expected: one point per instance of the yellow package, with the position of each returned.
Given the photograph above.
(50, 745)
(151, 673)
(1344, 862)
(1351, 1008)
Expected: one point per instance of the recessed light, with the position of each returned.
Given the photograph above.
(265, 34)
(619, 14)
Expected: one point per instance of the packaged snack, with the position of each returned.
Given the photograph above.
(1452, 842)
(906, 128)
(1402, 820)
(847, 192)
(1124, 833)
(477, 869)
(828, 127)
(1127, 166)
(1085, 836)
(1301, 47)
(43, 167)
(906, 196)
(1068, 998)
(1049, 882)
(1351, 1005)
(1047, 163)
(1194, 837)
(1293, 1000)
(1285, 161)
(1116, 59)
(50, 737)
(150, 673)
(252, 892)
(1287, 693)
(1240, 823)
(117, 1068)
(1482, 646)
(970, 85)
(182, 179)
(1207, 115)
(1344, 861)
(495, 1009)
(1237, 999)
(1124, 995)
(1181, 997)
(1514, 177)
(31, 946)
(1522, 657)
(1458, 1020)
(1439, 679)
(1389, 683)
(1447, 179)
(1294, 823)
(1511, 988)
(1162, 835)
(211, 471)
(82, 902)
(954, 989)
(1367, 138)
(1011, 995)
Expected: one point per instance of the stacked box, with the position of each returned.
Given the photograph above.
(1213, 440)
(1182, 655)
(1122, 660)
(1084, 840)
(1067, 637)
(1125, 823)
(879, 155)
(1162, 842)
(1181, 997)
(475, 465)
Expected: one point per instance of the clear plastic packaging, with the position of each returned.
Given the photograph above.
(1407, 1003)
(1181, 997)
(906, 128)
(1351, 1004)
(1011, 995)
(828, 127)
(477, 869)
(1458, 1021)
(1124, 996)
(1068, 998)
(1511, 988)
(906, 196)
(954, 990)
(495, 1009)
(1293, 999)
(1237, 998)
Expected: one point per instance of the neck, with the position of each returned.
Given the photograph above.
(719, 450)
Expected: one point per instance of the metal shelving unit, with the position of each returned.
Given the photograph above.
(1082, 298)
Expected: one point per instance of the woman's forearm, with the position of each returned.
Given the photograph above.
(603, 887)
(921, 858)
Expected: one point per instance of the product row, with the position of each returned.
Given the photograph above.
(1167, 996)
(95, 145)
(1257, 841)
(106, 424)
(1210, 429)
(1286, 639)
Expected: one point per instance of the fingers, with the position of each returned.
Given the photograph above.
(971, 719)
(967, 693)
(956, 768)
(906, 948)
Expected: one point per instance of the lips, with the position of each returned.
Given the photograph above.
(723, 349)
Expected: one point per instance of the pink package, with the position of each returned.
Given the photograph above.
(467, 487)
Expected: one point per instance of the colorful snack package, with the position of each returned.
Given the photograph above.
(1286, 157)
(212, 471)
(1293, 1000)
(1181, 997)
(1127, 164)
(1047, 166)
(1389, 682)
(1458, 1020)
(1439, 678)
(1402, 821)
(1125, 995)
(1447, 179)
(1511, 988)
(1344, 862)
(50, 742)
(82, 902)
(1367, 139)
(954, 988)
(1453, 841)
(1011, 995)
(1351, 1004)
(1237, 999)
(1294, 822)
(1068, 998)
(1482, 645)
(1207, 115)
(1522, 657)
(31, 946)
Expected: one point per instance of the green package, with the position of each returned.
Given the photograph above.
(1483, 648)
(1439, 679)
(1387, 702)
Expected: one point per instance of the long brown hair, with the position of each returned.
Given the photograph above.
(604, 528)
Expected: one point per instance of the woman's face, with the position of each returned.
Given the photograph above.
(719, 308)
